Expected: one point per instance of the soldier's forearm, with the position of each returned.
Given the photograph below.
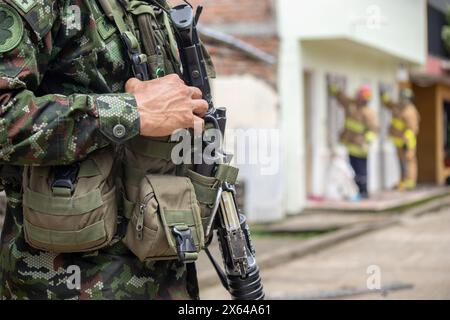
(57, 129)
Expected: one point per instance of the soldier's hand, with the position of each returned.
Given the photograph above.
(166, 105)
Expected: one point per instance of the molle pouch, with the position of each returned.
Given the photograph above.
(206, 189)
(71, 208)
(165, 223)
(145, 156)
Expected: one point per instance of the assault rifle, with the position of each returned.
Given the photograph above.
(241, 276)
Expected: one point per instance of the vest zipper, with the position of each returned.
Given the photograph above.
(140, 221)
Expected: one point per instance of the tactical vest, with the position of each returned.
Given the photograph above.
(78, 208)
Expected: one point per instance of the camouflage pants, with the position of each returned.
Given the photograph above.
(113, 273)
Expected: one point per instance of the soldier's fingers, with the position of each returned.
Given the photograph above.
(198, 124)
(132, 84)
(196, 93)
(174, 78)
(199, 107)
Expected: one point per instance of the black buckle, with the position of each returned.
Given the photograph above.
(140, 69)
(65, 177)
(185, 242)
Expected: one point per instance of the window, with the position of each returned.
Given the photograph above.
(436, 20)
(335, 114)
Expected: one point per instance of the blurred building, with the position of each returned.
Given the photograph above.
(355, 42)
(242, 38)
(432, 89)
(358, 42)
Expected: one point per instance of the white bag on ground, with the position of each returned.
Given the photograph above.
(340, 184)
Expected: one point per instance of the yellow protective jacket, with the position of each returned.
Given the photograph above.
(360, 128)
(404, 125)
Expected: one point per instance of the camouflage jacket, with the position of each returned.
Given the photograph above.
(61, 95)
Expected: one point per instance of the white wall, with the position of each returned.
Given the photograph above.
(358, 66)
(396, 27)
(363, 39)
(292, 111)
(253, 114)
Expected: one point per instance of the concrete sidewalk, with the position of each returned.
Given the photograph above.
(408, 261)
(296, 237)
(383, 201)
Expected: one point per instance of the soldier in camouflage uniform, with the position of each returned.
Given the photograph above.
(63, 93)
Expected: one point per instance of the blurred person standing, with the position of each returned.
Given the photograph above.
(403, 133)
(360, 129)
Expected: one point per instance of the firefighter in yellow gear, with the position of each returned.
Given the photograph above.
(360, 130)
(403, 133)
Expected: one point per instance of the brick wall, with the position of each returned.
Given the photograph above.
(240, 12)
(229, 11)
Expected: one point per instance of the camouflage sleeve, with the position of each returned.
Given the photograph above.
(51, 129)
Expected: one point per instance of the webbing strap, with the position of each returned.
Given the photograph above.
(139, 7)
(226, 173)
(62, 206)
(170, 33)
(115, 14)
(175, 217)
(198, 178)
(88, 168)
(153, 148)
(204, 187)
(87, 235)
(205, 194)
(61, 192)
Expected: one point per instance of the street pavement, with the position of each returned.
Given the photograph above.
(414, 254)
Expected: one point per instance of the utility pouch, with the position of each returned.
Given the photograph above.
(207, 188)
(144, 156)
(165, 223)
(71, 208)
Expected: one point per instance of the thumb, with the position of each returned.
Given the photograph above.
(132, 84)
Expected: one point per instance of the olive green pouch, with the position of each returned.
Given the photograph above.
(58, 220)
(165, 204)
(206, 189)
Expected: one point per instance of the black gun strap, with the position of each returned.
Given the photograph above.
(220, 273)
